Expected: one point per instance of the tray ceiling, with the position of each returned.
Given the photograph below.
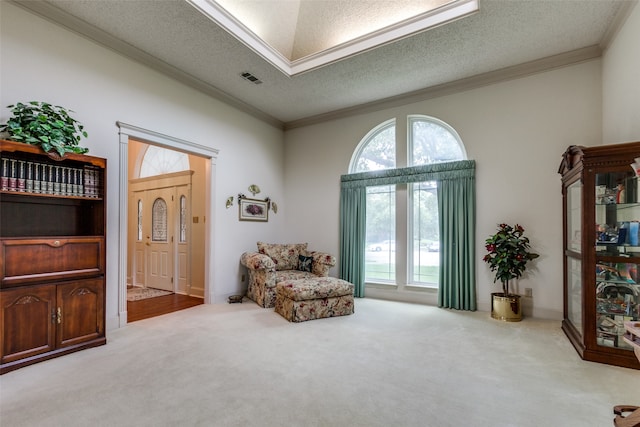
(299, 35)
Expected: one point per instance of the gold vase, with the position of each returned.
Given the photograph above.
(506, 307)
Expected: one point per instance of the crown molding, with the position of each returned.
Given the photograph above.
(618, 22)
(57, 16)
(485, 79)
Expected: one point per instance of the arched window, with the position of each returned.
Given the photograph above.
(159, 221)
(377, 150)
(428, 141)
(433, 141)
(159, 161)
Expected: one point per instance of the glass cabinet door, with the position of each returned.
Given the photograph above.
(617, 301)
(574, 293)
(617, 215)
(574, 264)
(574, 217)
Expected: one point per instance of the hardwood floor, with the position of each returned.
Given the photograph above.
(151, 307)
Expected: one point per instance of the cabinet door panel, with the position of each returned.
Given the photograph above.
(81, 305)
(27, 322)
(36, 260)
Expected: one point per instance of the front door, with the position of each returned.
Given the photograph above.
(158, 230)
(160, 233)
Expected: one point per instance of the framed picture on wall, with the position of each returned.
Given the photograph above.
(253, 210)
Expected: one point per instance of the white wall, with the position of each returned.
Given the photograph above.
(621, 83)
(42, 61)
(516, 131)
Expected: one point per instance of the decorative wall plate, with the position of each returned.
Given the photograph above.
(254, 189)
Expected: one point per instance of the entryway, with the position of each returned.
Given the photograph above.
(166, 234)
(160, 234)
(162, 251)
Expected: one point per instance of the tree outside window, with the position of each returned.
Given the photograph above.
(429, 141)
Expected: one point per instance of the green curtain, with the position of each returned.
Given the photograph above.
(457, 211)
(456, 208)
(353, 204)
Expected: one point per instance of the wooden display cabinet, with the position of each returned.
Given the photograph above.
(601, 257)
(52, 254)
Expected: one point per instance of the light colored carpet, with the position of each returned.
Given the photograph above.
(136, 294)
(389, 364)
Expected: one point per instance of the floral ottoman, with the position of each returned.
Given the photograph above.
(314, 298)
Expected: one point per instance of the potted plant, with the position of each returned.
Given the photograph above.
(508, 252)
(49, 126)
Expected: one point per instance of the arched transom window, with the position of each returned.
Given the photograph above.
(160, 161)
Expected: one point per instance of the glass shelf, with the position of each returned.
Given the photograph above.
(617, 215)
(620, 205)
(613, 250)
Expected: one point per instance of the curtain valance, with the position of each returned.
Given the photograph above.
(433, 172)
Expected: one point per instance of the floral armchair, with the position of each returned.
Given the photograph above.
(275, 262)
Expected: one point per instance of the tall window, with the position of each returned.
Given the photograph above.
(183, 219)
(393, 256)
(139, 219)
(377, 151)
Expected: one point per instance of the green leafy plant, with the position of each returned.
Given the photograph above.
(46, 125)
(508, 254)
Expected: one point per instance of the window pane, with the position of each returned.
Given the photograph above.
(139, 220)
(159, 221)
(432, 142)
(183, 219)
(380, 256)
(160, 161)
(380, 150)
(426, 238)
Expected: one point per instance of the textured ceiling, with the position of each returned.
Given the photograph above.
(175, 38)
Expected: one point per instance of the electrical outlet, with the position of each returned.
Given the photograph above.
(528, 292)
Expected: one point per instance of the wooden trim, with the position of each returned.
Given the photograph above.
(22, 147)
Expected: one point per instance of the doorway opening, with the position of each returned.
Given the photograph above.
(164, 233)
(165, 266)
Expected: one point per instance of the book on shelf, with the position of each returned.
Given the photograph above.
(91, 181)
(27, 176)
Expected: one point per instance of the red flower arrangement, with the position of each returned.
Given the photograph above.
(508, 254)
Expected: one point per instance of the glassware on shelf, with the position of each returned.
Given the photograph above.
(617, 301)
